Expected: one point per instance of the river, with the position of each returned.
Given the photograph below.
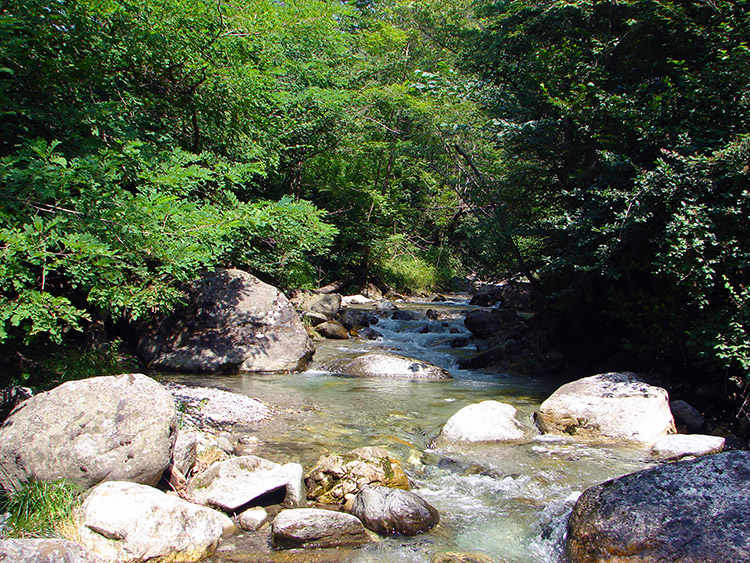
(508, 501)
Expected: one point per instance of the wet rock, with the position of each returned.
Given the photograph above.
(314, 527)
(356, 318)
(677, 446)
(252, 518)
(385, 305)
(44, 550)
(488, 421)
(407, 315)
(216, 408)
(240, 483)
(336, 479)
(126, 522)
(379, 364)
(332, 329)
(688, 416)
(611, 406)
(327, 305)
(370, 333)
(88, 431)
(462, 557)
(689, 511)
(394, 511)
(234, 322)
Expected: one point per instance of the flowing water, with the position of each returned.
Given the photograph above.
(510, 501)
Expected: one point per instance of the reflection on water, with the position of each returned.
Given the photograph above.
(510, 501)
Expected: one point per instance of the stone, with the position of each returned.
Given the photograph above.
(336, 479)
(394, 511)
(407, 315)
(185, 451)
(44, 550)
(126, 522)
(381, 364)
(252, 519)
(486, 324)
(356, 318)
(325, 304)
(369, 333)
(616, 407)
(373, 292)
(676, 446)
(317, 528)
(355, 300)
(488, 421)
(385, 305)
(333, 330)
(242, 482)
(461, 557)
(233, 323)
(690, 511)
(687, 415)
(207, 406)
(88, 431)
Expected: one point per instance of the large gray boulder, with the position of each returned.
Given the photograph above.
(44, 550)
(236, 484)
(233, 322)
(689, 511)
(394, 511)
(88, 431)
(314, 527)
(488, 421)
(380, 364)
(357, 318)
(207, 406)
(615, 407)
(126, 522)
(336, 479)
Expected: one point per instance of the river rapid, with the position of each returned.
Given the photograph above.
(509, 501)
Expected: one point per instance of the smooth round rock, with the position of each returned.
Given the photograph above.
(488, 421)
(380, 364)
(314, 527)
(394, 511)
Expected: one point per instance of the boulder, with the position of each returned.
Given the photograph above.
(407, 315)
(355, 300)
(88, 431)
(333, 330)
(44, 550)
(314, 527)
(336, 479)
(688, 416)
(611, 407)
(488, 421)
(233, 322)
(369, 333)
(207, 406)
(126, 522)
(676, 446)
(325, 304)
(394, 511)
(385, 305)
(355, 318)
(380, 364)
(689, 511)
(242, 482)
(185, 451)
(486, 324)
(372, 291)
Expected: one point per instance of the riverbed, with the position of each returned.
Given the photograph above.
(509, 501)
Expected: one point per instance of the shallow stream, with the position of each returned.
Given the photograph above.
(509, 501)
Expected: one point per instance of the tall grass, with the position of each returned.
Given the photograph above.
(40, 509)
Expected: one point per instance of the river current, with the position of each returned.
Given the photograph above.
(509, 501)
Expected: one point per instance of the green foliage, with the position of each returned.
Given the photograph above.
(39, 509)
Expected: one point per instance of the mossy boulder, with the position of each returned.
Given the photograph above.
(336, 479)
